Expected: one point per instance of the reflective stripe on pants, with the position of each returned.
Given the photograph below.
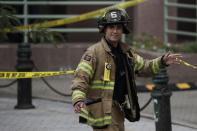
(117, 120)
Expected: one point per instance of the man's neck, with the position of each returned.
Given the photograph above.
(113, 44)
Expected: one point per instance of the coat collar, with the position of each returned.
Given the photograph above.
(124, 47)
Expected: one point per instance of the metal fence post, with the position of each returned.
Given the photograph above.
(161, 98)
(24, 91)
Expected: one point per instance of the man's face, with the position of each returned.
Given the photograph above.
(113, 33)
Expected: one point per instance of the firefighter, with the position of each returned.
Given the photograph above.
(104, 89)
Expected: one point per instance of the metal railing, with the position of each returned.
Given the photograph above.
(26, 16)
(167, 18)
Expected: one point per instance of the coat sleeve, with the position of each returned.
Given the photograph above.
(83, 76)
(144, 67)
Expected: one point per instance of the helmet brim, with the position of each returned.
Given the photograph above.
(102, 28)
(115, 22)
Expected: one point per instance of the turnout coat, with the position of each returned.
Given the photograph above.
(94, 80)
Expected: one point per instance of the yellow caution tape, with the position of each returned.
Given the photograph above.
(187, 64)
(21, 75)
(74, 19)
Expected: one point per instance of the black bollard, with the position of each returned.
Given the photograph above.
(161, 98)
(24, 64)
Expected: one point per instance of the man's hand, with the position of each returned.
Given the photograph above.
(78, 106)
(170, 58)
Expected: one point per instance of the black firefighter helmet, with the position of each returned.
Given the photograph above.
(114, 16)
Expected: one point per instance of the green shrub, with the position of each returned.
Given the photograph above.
(43, 35)
(8, 20)
(152, 43)
(146, 41)
(190, 47)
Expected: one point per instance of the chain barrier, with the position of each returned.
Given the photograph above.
(146, 104)
(9, 84)
(63, 94)
(60, 93)
(49, 85)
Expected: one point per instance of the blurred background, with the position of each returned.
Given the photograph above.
(157, 26)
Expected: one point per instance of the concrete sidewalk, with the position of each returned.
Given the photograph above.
(55, 116)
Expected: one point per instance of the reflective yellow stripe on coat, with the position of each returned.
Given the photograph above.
(99, 122)
(86, 68)
(77, 94)
(98, 84)
(139, 63)
(155, 65)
